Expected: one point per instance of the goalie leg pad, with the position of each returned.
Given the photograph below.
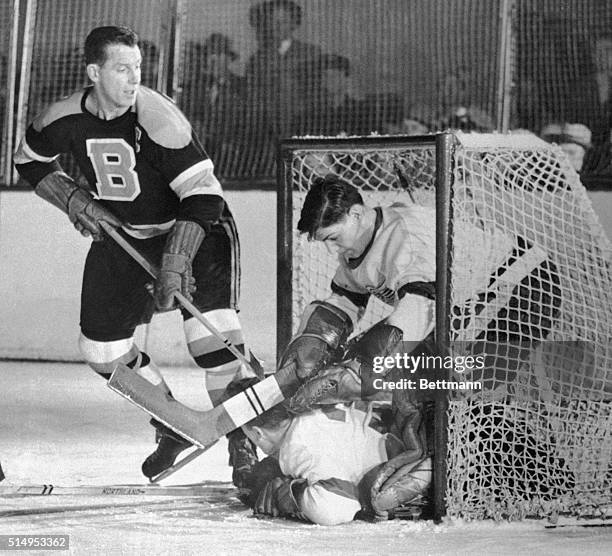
(323, 329)
(404, 481)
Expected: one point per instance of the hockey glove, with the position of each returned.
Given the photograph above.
(399, 481)
(278, 498)
(263, 472)
(334, 385)
(82, 209)
(324, 328)
(175, 271)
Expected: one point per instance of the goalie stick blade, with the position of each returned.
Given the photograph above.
(204, 427)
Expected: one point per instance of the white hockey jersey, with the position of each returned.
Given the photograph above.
(333, 448)
(403, 253)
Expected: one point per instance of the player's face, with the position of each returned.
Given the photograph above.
(341, 237)
(117, 80)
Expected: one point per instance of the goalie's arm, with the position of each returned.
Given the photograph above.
(329, 501)
(325, 501)
(324, 327)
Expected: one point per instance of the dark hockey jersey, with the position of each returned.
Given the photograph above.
(146, 166)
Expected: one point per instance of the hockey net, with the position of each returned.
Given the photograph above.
(528, 289)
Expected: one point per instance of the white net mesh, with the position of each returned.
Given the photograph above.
(537, 439)
(530, 291)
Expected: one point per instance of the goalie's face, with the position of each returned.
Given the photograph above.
(343, 237)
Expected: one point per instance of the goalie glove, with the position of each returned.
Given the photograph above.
(400, 481)
(175, 270)
(263, 472)
(324, 328)
(82, 209)
(334, 385)
(279, 498)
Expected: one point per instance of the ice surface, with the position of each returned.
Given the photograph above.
(60, 425)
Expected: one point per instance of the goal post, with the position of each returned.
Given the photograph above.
(523, 279)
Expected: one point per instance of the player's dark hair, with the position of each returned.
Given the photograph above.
(101, 37)
(327, 202)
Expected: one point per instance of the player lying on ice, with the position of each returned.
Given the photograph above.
(390, 253)
(338, 462)
(148, 176)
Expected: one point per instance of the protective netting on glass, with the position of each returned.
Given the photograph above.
(250, 72)
(529, 293)
(253, 72)
(376, 175)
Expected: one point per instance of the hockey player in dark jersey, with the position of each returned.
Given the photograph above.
(148, 176)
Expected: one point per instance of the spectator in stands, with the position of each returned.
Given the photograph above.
(284, 74)
(66, 75)
(456, 107)
(341, 108)
(574, 139)
(601, 120)
(215, 98)
(150, 61)
(406, 126)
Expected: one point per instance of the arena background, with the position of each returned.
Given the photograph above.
(509, 63)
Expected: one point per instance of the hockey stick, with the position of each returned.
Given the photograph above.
(197, 504)
(180, 464)
(211, 487)
(188, 305)
(204, 427)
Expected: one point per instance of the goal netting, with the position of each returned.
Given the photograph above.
(527, 289)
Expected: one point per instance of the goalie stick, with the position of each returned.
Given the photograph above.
(196, 504)
(193, 310)
(180, 464)
(204, 427)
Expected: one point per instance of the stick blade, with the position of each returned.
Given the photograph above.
(199, 427)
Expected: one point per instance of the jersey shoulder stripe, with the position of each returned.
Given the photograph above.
(68, 106)
(163, 121)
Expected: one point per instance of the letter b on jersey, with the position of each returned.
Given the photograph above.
(113, 161)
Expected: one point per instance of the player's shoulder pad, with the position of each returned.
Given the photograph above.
(60, 109)
(159, 116)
